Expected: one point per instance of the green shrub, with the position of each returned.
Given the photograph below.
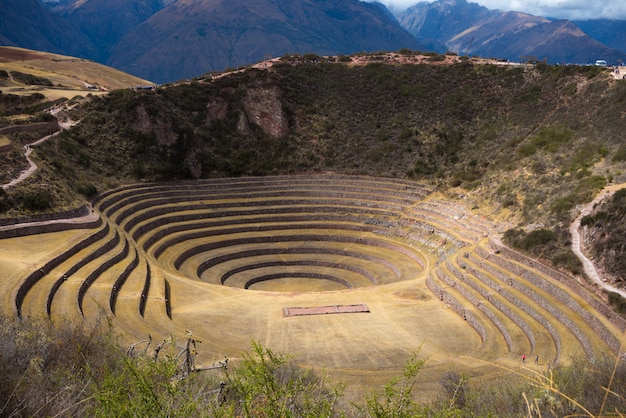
(396, 399)
(49, 371)
(87, 189)
(620, 154)
(617, 302)
(6, 202)
(37, 200)
(569, 261)
(532, 95)
(551, 138)
(312, 57)
(30, 79)
(526, 150)
(268, 384)
(142, 387)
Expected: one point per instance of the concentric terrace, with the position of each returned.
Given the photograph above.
(225, 258)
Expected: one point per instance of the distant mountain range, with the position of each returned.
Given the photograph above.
(168, 40)
(468, 28)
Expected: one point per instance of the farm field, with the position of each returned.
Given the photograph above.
(67, 76)
(224, 259)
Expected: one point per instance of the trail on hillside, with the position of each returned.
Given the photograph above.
(28, 150)
(574, 229)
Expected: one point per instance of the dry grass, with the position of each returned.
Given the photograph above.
(361, 350)
(70, 76)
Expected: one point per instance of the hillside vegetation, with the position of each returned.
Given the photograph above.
(24, 72)
(69, 370)
(405, 175)
(605, 231)
(527, 144)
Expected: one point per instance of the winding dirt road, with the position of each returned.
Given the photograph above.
(574, 229)
(28, 150)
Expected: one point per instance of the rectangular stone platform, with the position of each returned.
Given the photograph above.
(324, 310)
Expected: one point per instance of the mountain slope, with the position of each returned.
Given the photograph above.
(217, 34)
(468, 28)
(612, 33)
(26, 23)
(70, 75)
(106, 22)
(558, 41)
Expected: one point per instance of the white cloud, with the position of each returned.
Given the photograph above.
(562, 9)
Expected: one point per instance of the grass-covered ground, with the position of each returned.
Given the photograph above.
(69, 371)
(222, 258)
(526, 144)
(518, 147)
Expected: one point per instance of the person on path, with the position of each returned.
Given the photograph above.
(524, 358)
(537, 359)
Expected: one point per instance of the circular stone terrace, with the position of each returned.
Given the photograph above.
(347, 274)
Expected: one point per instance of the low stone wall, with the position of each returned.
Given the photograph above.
(145, 292)
(37, 275)
(499, 305)
(72, 213)
(471, 298)
(47, 228)
(97, 272)
(214, 261)
(557, 293)
(457, 308)
(121, 280)
(571, 283)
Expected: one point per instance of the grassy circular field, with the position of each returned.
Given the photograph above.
(225, 259)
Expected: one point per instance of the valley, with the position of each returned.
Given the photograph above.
(392, 182)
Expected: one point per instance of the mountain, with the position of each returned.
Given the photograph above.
(106, 22)
(28, 24)
(65, 76)
(190, 37)
(468, 28)
(612, 33)
(169, 40)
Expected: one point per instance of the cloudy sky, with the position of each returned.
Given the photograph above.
(563, 9)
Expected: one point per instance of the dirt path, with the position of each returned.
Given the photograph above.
(574, 229)
(28, 150)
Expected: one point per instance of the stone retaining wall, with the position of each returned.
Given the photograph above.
(262, 240)
(471, 298)
(145, 292)
(299, 263)
(72, 213)
(37, 275)
(212, 262)
(570, 282)
(121, 280)
(502, 307)
(97, 272)
(554, 291)
(549, 306)
(457, 308)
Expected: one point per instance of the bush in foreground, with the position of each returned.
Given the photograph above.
(72, 371)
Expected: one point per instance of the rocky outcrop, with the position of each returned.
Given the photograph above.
(264, 109)
(161, 129)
